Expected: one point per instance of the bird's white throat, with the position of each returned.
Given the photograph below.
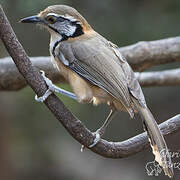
(54, 38)
(54, 43)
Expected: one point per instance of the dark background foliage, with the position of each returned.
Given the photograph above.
(33, 145)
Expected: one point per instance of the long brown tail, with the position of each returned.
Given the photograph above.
(157, 141)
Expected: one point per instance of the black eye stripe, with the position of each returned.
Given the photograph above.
(54, 18)
(60, 18)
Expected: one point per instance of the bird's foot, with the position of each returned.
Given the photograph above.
(98, 135)
(97, 138)
(53, 89)
(50, 90)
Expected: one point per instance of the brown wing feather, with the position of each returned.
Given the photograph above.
(95, 60)
(132, 82)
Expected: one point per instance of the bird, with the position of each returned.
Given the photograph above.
(97, 72)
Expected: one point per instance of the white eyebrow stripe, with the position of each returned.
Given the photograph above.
(52, 14)
(71, 18)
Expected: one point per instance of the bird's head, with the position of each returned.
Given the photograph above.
(62, 20)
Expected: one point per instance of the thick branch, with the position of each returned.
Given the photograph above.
(143, 55)
(68, 120)
(11, 79)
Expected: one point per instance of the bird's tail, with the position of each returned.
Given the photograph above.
(158, 144)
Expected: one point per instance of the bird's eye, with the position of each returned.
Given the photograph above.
(51, 19)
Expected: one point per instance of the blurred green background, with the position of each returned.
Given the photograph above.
(34, 145)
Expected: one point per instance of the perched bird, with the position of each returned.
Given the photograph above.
(97, 72)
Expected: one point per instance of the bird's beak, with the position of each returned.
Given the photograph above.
(31, 19)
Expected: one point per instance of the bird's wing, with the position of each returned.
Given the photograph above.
(132, 82)
(97, 61)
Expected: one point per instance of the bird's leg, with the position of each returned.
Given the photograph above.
(99, 133)
(53, 89)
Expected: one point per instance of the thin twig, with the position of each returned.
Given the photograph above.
(159, 78)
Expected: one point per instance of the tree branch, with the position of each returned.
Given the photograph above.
(68, 120)
(12, 80)
(144, 55)
(159, 78)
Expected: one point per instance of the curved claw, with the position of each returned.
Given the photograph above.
(82, 148)
(42, 72)
(49, 91)
(96, 140)
(48, 81)
(44, 97)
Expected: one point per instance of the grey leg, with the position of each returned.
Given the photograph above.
(53, 89)
(99, 133)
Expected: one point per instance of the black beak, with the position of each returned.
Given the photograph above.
(31, 19)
